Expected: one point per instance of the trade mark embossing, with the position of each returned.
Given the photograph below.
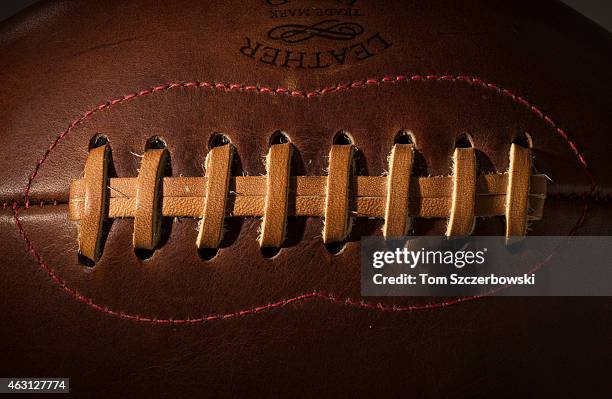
(328, 29)
(333, 33)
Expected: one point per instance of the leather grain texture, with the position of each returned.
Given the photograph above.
(397, 207)
(517, 202)
(337, 218)
(470, 195)
(295, 324)
(431, 196)
(461, 221)
(218, 169)
(147, 215)
(277, 195)
(94, 202)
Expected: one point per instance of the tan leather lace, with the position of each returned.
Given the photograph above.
(397, 198)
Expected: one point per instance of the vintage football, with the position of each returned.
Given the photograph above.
(186, 185)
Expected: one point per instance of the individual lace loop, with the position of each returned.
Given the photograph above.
(278, 165)
(517, 199)
(398, 191)
(218, 171)
(148, 213)
(93, 202)
(337, 219)
(461, 220)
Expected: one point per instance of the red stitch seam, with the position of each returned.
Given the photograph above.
(319, 92)
(40, 204)
(293, 93)
(270, 306)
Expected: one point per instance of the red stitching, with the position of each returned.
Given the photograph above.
(293, 93)
(41, 204)
(270, 306)
(319, 92)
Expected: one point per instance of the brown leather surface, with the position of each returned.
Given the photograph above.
(61, 60)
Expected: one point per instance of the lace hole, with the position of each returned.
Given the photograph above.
(524, 140)
(403, 137)
(278, 137)
(335, 248)
(270, 252)
(155, 143)
(208, 254)
(343, 138)
(218, 140)
(464, 141)
(98, 141)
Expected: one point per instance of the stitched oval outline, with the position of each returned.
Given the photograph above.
(304, 94)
